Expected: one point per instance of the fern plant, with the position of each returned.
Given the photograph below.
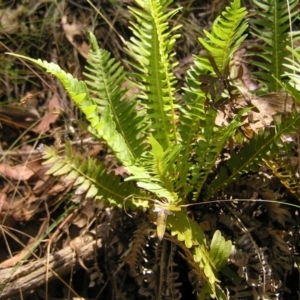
(167, 140)
(271, 26)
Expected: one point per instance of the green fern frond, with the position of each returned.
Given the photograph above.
(197, 123)
(263, 145)
(292, 72)
(106, 77)
(209, 147)
(76, 88)
(226, 37)
(192, 114)
(103, 127)
(89, 175)
(219, 253)
(189, 232)
(152, 49)
(210, 262)
(219, 250)
(161, 163)
(271, 26)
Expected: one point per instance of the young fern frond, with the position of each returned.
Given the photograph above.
(263, 145)
(105, 80)
(219, 250)
(226, 37)
(162, 165)
(271, 26)
(151, 48)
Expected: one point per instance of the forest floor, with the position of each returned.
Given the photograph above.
(55, 244)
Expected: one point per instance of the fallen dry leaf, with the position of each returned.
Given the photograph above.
(75, 34)
(9, 19)
(22, 171)
(19, 172)
(3, 199)
(53, 111)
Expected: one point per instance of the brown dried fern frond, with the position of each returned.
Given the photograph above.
(264, 186)
(196, 275)
(284, 171)
(135, 256)
(248, 255)
(172, 277)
